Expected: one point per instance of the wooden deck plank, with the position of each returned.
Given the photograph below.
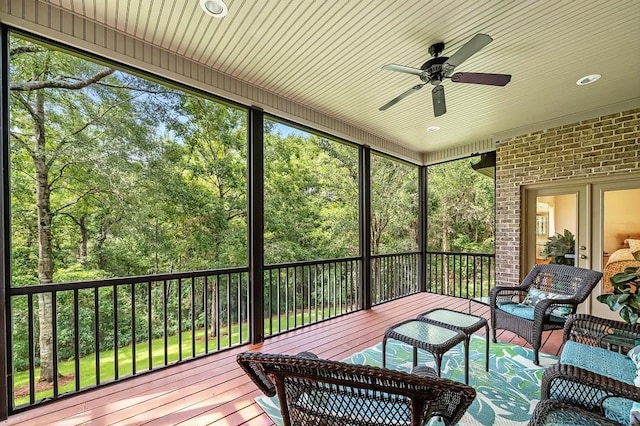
(214, 390)
(333, 345)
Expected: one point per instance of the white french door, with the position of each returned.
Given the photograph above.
(555, 215)
(599, 214)
(616, 217)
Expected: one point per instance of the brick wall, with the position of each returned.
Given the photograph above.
(601, 146)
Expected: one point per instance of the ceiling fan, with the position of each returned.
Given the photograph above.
(436, 69)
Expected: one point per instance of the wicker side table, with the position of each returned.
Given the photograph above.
(423, 335)
(551, 412)
(467, 323)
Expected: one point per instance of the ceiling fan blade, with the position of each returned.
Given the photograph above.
(397, 99)
(481, 78)
(439, 106)
(403, 68)
(465, 52)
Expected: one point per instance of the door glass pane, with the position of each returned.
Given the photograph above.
(621, 230)
(556, 226)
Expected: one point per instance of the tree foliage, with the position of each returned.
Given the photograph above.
(311, 193)
(394, 206)
(113, 175)
(460, 211)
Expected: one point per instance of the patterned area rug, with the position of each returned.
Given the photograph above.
(506, 395)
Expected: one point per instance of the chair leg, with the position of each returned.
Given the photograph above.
(493, 332)
(536, 358)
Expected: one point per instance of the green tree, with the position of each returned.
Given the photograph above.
(211, 211)
(337, 168)
(212, 192)
(394, 214)
(460, 209)
(70, 118)
(292, 206)
(394, 206)
(310, 198)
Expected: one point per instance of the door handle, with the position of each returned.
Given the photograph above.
(583, 247)
(583, 256)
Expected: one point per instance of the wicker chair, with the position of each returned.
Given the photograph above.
(312, 391)
(550, 412)
(584, 389)
(567, 287)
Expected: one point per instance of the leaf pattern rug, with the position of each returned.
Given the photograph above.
(506, 395)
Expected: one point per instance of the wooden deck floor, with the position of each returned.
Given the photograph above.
(213, 390)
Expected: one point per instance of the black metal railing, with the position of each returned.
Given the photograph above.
(105, 330)
(393, 276)
(301, 293)
(466, 275)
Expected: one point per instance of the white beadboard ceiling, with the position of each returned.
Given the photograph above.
(328, 56)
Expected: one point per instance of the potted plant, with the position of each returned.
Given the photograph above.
(625, 296)
(559, 246)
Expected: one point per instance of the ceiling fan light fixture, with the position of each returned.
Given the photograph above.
(588, 79)
(433, 129)
(215, 8)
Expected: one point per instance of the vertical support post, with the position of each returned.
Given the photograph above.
(422, 227)
(5, 300)
(256, 223)
(365, 226)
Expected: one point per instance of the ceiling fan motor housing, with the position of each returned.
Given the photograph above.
(433, 68)
(436, 49)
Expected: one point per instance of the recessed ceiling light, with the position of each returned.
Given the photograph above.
(215, 8)
(588, 79)
(433, 129)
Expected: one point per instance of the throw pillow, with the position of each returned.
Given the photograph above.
(634, 355)
(535, 295)
(621, 256)
(634, 246)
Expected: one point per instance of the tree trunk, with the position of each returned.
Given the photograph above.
(99, 243)
(214, 298)
(376, 284)
(45, 318)
(45, 254)
(36, 86)
(214, 310)
(84, 240)
(445, 248)
(156, 261)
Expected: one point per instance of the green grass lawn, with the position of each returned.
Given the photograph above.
(125, 357)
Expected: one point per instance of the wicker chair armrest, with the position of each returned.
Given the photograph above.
(583, 388)
(256, 372)
(506, 293)
(590, 330)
